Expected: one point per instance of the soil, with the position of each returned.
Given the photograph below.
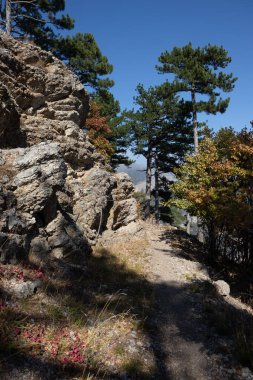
(172, 324)
(187, 346)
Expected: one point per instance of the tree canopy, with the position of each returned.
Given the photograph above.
(38, 20)
(84, 57)
(199, 71)
(159, 132)
(216, 184)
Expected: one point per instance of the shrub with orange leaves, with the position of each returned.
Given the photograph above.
(99, 130)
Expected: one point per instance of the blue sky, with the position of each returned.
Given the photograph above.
(132, 34)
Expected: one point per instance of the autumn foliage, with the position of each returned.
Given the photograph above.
(99, 130)
(216, 185)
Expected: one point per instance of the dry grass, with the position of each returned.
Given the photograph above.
(84, 325)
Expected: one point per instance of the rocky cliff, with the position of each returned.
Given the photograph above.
(57, 195)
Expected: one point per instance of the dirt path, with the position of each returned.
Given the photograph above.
(188, 349)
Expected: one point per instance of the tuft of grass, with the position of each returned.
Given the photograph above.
(119, 350)
(135, 368)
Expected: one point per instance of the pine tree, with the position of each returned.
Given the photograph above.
(199, 71)
(156, 132)
(174, 142)
(119, 136)
(109, 106)
(84, 57)
(36, 20)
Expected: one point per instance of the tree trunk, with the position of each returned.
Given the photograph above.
(156, 189)
(8, 17)
(148, 182)
(188, 225)
(194, 120)
(196, 146)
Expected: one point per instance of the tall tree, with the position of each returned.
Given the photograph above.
(8, 17)
(36, 19)
(155, 133)
(199, 71)
(83, 55)
(145, 127)
(119, 136)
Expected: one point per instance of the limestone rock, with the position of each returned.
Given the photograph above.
(30, 209)
(38, 90)
(246, 373)
(125, 187)
(65, 240)
(125, 212)
(24, 289)
(92, 199)
(222, 287)
(125, 206)
(133, 231)
(57, 194)
(39, 250)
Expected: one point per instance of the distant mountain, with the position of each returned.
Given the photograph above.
(138, 174)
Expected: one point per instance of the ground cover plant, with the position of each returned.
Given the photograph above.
(83, 323)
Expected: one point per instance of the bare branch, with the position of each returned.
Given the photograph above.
(33, 18)
(8, 17)
(24, 1)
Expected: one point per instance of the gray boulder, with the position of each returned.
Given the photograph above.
(25, 289)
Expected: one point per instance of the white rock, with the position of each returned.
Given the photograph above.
(222, 287)
(26, 289)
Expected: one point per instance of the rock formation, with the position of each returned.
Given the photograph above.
(57, 194)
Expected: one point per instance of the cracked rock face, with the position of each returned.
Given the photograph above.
(47, 98)
(57, 195)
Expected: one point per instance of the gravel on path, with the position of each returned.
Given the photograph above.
(187, 347)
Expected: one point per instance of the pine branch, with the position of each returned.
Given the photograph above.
(33, 18)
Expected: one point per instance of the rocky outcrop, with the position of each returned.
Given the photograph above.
(49, 99)
(57, 195)
(124, 211)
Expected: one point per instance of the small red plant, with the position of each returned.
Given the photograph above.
(39, 274)
(17, 272)
(34, 335)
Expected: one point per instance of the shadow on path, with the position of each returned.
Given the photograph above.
(184, 344)
(195, 330)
